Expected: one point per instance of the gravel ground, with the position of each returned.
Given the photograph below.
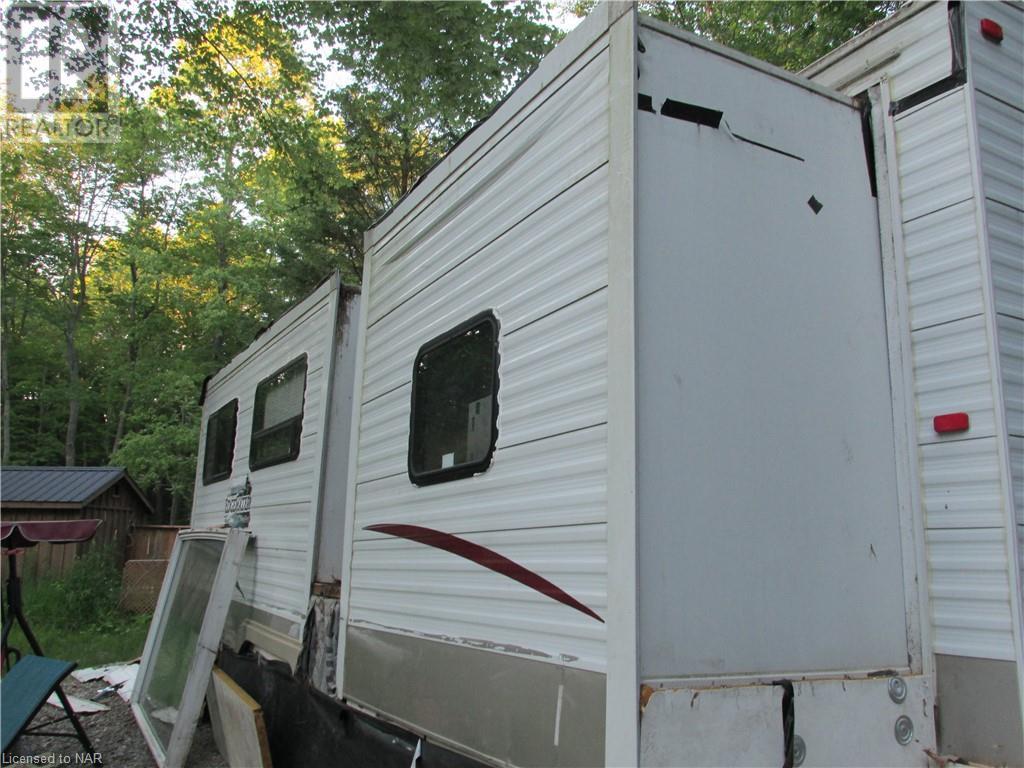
(114, 734)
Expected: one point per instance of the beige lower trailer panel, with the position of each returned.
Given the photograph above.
(512, 709)
(979, 713)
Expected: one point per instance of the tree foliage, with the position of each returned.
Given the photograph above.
(787, 34)
(243, 175)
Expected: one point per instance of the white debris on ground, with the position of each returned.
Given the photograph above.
(81, 706)
(120, 676)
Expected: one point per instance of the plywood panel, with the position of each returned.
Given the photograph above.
(238, 726)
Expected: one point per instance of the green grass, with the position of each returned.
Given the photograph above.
(76, 618)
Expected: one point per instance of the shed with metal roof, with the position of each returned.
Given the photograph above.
(72, 493)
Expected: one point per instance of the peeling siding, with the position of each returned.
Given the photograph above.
(743, 461)
(275, 572)
(520, 227)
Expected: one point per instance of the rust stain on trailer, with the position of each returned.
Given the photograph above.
(646, 692)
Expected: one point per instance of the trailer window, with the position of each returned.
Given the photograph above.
(277, 416)
(220, 443)
(455, 403)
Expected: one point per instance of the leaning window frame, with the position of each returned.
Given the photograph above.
(210, 479)
(173, 752)
(254, 435)
(459, 471)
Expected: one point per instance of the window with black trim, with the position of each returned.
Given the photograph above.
(277, 416)
(453, 427)
(219, 452)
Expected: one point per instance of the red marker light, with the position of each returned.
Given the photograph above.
(990, 30)
(951, 422)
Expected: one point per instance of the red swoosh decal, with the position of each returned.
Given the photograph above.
(488, 558)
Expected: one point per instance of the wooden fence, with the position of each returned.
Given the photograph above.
(152, 542)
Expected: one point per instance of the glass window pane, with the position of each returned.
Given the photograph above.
(219, 452)
(282, 397)
(164, 683)
(454, 401)
(277, 416)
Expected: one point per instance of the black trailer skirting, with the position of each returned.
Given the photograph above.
(306, 727)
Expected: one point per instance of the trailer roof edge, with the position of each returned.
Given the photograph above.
(574, 45)
(875, 30)
(718, 49)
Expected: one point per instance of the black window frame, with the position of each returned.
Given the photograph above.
(294, 423)
(209, 478)
(459, 471)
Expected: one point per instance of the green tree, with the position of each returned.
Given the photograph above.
(132, 271)
(59, 219)
(787, 34)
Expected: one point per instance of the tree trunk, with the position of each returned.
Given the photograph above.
(74, 400)
(175, 499)
(5, 384)
(221, 236)
(133, 357)
(122, 416)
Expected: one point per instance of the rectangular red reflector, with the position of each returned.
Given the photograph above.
(991, 30)
(951, 422)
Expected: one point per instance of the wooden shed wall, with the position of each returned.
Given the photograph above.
(118, 507)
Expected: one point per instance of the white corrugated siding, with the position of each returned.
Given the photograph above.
(1017, 467)
(1001, 138)
(996, 67)
(1006, 249)
(953, 367)
(275, 573)
(911, 55)
(1011, 361)
(970, 592)
(934, 159)
(960, 484)
(521, 229)
(996, 71)
(953, 372)
(555, 146)
(943, 267)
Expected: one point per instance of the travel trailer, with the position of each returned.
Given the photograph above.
(624, 452)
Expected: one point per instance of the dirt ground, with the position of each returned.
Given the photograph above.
(114, 734)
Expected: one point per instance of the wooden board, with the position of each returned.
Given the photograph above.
(238, 726)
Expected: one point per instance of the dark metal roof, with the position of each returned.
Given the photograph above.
(58, 485)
